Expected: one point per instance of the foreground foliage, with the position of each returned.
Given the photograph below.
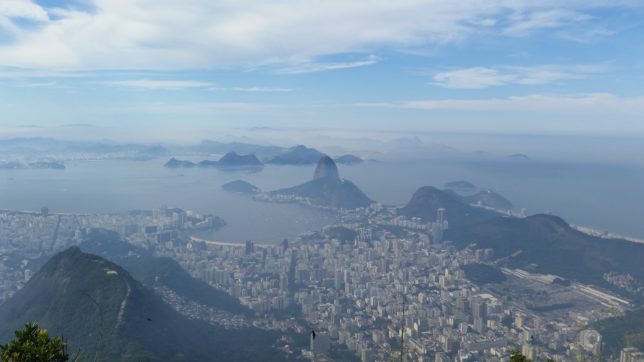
(34, 344)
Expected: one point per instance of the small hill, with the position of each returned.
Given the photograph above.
(348, 160)
(108, 316)
(519, 157)
(427, 200)
(242, 187)
(234, 160)
(551, 246)
(298, 155)
(489, 198)
(174, 163)
(327, 189)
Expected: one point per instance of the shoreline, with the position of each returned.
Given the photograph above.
(607, 235)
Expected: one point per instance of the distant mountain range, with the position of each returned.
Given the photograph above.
(107, 315)
(327, 189)
(45, 147)
(298, 155)
(41, 148)
(39, 165)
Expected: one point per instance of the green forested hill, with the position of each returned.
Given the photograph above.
(109, 316)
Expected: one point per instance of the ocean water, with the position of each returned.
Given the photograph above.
(606, 197)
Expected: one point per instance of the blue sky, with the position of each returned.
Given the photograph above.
(571, 67)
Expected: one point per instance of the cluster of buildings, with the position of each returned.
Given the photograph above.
(27, 236)
(395, 288)
(385, 291)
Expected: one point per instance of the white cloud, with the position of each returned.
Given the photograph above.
(159, 84)
(23, 9)
(483, 77)
(522, 23)
(51, 84)
(22, 73)
(477, 77)
(152, 84)
(166, 34)
(190, 108)
(261, 90)
(576, 103)
(322, 67)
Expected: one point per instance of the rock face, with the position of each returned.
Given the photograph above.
(326, 168)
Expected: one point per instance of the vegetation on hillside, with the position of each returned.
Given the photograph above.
(482, 273)
(624, 331)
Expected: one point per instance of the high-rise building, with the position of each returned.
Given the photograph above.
(320, 343)
(479, 308)
(249, 247)
(338, 280)
(283, 282)
(440, 216)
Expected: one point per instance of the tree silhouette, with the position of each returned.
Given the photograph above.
(33, 344)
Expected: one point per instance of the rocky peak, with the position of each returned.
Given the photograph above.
(326, 168)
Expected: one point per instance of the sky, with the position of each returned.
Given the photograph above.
(163, 69)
